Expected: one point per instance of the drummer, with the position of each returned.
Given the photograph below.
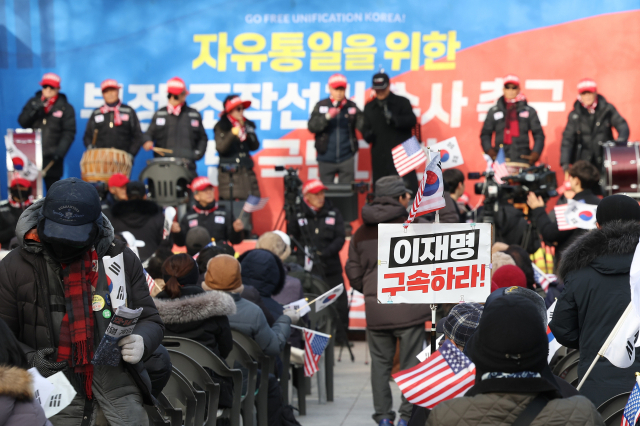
(176, 130)
(589, 126)
(511, 119)
(113, 125)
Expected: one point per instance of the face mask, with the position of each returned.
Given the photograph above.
(20, 196)
(63, 253)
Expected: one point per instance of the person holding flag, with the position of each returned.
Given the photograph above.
(583, 177)
(596, 273)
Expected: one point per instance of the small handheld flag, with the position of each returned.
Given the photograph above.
(553, 343)
(329, 297)
(314, 345)
(150, 281)
(408, 156)
(632, 409)
(450, 153)
(22, 166)
(446, 374)
(542, 279)
(430, 196)
(499, 166)
(253, 204)
(574, 215)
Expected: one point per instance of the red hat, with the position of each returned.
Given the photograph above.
(200, 183)
(50, 79)
(20, 181)
(176, 86)
(117, 180)
(508, 276)
(513, 79)
(109, 84)
(338, 80)
(587, 85)
(234, 102)
(313, 186)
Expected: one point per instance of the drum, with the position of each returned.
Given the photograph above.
(622, 169)
(515, 168)
(98, 164)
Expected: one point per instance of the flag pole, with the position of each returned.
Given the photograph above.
(311, 331)
(606, 344)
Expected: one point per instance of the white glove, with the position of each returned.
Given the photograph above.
(293, 314)
(132, 348)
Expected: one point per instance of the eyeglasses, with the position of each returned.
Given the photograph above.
(172, 96)
(510, 87)
(48, 86)
(239, 108)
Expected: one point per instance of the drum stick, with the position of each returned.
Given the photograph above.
(95, 138)
(157, 151)
(46, 169)
(164, 150)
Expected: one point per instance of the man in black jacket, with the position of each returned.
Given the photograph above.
(177, 127)
(388, 121)
(583, 178)
(589, 126)
(334, 121)
(207, 213)
(50, 112)
(113, 125)
(320, 225)
(595, 270)
(511, 119)
(10, 210)
(143, 218)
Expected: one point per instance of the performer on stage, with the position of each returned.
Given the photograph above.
(50, 112)
(589, 126)
(511, 119)
(235, 137)
(176, 128)
(113, 125)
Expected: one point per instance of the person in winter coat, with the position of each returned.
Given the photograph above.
(17, 403)
(511, 119)
(509, 349)
(188, 311)
(589, 127)
(50, 112)
(584, 178)
(388, 121)
(47, 287)
(10, 210)
(206, 212)
(595, 270)
(142, 217)
(334, 122)
(264, 271)
(386, 323)
(453, 190)
(235, 139)
(113, 125)
(177, 127)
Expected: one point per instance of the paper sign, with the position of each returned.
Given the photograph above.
(301, 304)
(42, 388)
(434, 263)
(61, 396)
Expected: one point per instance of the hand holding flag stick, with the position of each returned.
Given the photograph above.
(326, 299)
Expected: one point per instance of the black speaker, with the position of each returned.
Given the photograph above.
(344, 199)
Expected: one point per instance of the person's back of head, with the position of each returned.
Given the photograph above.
(617, 207)
(197, 238)
(586, 173)
(452, 178)
(136, 191)
(462, 322)
(274, 243)
(523, 261)
(500, 259)
(178, 271)
(264, 271)
(508, 276)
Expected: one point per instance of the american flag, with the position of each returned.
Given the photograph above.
(430, 196)
(542, 279)
(408, 156)
(150, 281)
(499, 166)
(253, 204)
(632, 410)
(314, 345)
(446, 374)
(561, 219)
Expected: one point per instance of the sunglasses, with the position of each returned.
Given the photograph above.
(510, 87)
(48, 86)
(239, 109)
(171, 96)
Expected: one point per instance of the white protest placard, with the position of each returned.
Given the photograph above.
(434, 263)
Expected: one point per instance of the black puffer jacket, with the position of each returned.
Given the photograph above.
(184, 134)
(330, 134)
(219, 223)
(595, 269)
(126, 137)
(58, 128)
(528, 121)
(229, 146)
(9, 216)
(199, 316)
(144, 219)
(583, 137)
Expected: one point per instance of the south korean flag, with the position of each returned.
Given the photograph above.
(450, 154)
(114, 267)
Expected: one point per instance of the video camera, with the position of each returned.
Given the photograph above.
(537, 179)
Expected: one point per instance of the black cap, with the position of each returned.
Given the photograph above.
(617, 207)
(380, 81)
(70, 210)
(136, 190)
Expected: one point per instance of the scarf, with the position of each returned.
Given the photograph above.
(512, 125)
(48, 103)
(311, 207)
(340, 105)
(21, 205)
(76, 332)
(206, 210)
(242, 134)
(116, 112)
(591, 108)
(175, 110)
(516, 375)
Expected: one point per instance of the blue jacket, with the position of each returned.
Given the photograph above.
(265, 272)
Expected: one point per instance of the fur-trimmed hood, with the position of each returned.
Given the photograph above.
(16, 383)
(194, 308)
(614, 240)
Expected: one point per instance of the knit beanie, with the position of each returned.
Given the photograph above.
(197, 238)
(508, 276)
(617, 207)
(223, 273)
(500, 259)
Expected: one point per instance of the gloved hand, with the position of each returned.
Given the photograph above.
(132, 348)
(249, 129)
(45, 366)
(293, 314)
(492, 153)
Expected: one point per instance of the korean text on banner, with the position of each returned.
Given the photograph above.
(434, 263)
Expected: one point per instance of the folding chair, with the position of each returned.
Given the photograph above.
(203, 356)
(200, 379)
(266, 364)
(239, 356)
(561, 368)
(180, 396)
(325, 321)
(156, 418)
(612, 409)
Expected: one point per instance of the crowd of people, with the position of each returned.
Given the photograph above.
(54, 252)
